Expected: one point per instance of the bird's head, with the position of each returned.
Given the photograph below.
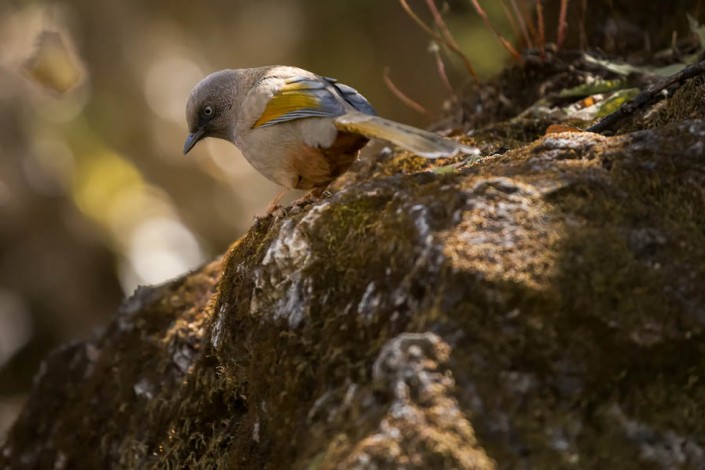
(210, 110)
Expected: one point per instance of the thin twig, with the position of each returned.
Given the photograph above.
(507, 45)
(441, 40)
(441, 67)
(542, 32)
(526, 10)
(522, 24)
(647, 95)
(560, 34)
(510, 17)
(583, 31)
(400, 94)
(440, 22)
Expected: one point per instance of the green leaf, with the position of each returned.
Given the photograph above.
(588, 89)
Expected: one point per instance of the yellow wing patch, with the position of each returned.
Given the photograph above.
(291, 98)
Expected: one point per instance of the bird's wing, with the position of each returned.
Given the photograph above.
(353, 98)
(304, 97)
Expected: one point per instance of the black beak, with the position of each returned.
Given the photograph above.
(193, 139)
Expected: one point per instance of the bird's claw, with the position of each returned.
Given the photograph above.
(273, 210)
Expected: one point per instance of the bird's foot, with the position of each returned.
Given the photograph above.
(276, 210)
(304, 201)
(273, 210)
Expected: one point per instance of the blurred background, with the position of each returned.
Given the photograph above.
(95, 194)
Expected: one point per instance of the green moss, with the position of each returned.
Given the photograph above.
(685, 104)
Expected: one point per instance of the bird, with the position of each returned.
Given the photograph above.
(298, 129)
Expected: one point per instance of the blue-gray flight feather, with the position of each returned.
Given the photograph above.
(327, 92)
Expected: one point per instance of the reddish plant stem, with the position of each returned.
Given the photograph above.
(560, 34)
(401, 95)
(507, 45)
(522, 24)
(441, 40)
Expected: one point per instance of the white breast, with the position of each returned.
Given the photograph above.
(272, 150)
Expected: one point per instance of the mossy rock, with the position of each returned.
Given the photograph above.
(543, 308)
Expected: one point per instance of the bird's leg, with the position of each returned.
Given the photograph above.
(274, 205)
(320, 192)
(311, 196)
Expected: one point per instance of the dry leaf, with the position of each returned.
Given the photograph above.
(558, 128)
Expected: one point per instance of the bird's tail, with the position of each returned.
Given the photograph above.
(423, 143)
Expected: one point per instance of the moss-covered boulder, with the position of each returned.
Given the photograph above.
(543, 308)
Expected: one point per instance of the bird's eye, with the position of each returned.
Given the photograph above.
(208, 111)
